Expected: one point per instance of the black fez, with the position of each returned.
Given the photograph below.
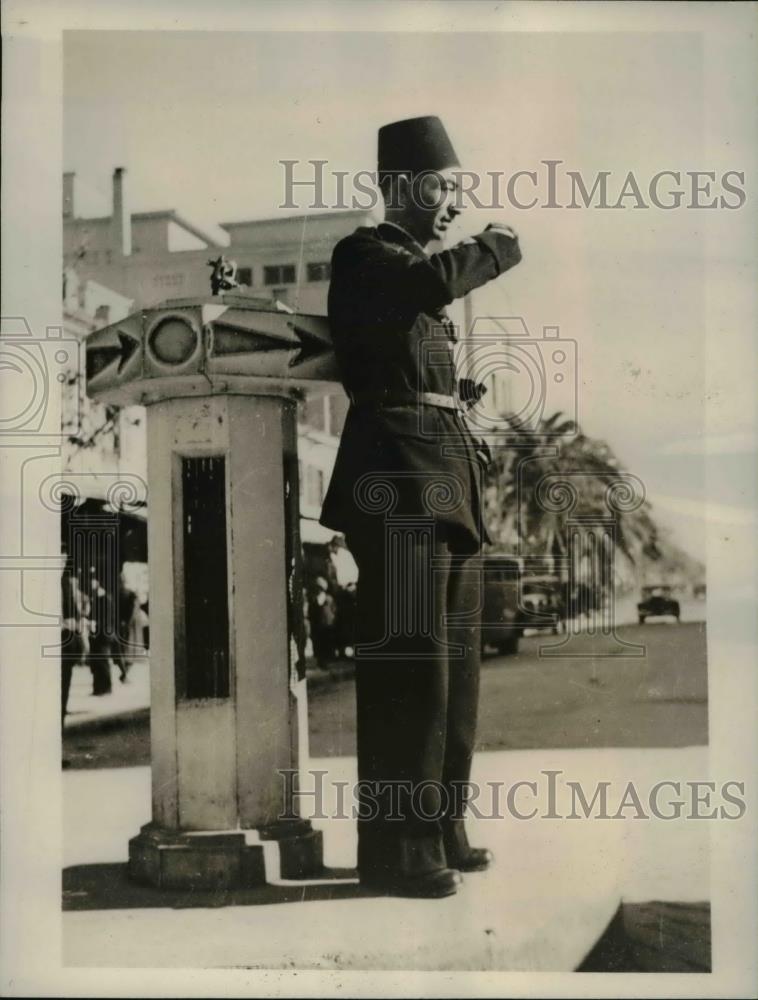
(415, 145)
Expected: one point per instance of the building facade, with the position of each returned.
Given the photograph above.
(152, 256)
(148, 257)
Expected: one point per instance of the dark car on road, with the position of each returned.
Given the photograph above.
(657, 602)
(501, 627)
(543, 599)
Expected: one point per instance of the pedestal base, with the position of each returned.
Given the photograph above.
(301, 848)
(169, 859)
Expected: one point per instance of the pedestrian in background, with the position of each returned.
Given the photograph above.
(344, 574)
(74, 643)
(126, 606)
(102, 629)
(322, 616)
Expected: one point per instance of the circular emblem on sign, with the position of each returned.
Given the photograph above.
(173, 340)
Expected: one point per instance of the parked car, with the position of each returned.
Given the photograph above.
(657, 602)
(501, 627)
(542, 597)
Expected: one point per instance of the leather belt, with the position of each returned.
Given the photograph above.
(405, 399)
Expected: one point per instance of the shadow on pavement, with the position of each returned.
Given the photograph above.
(108, 887)
(654, 937)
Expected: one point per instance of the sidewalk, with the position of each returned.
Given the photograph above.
(89, 712)
(85, 711)
(556, 885)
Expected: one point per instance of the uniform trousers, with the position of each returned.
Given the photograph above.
(417, 687)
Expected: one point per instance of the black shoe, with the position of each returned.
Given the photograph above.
(431, 885)
(460, 855)
(475, 859)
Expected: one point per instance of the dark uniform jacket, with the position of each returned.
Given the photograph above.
(393, 339)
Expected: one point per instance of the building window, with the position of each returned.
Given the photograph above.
(245, 276)
(319, 271)
(279, 274)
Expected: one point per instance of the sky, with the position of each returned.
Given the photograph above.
(201, 122)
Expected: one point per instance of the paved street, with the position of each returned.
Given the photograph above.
(586, 700)
(528, 701)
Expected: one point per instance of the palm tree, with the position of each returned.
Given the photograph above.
(541, 476)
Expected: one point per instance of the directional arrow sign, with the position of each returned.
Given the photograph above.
(129, 346)
(240, 341)
(313, 335)
(113, 346)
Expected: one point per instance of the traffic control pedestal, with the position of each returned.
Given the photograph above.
(220, 378)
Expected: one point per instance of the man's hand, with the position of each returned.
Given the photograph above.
(470, 392)
(511, 250)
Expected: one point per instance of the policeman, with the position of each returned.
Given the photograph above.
(406, 491)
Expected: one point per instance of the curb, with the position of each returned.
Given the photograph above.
(340, 671)
(100, 723)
